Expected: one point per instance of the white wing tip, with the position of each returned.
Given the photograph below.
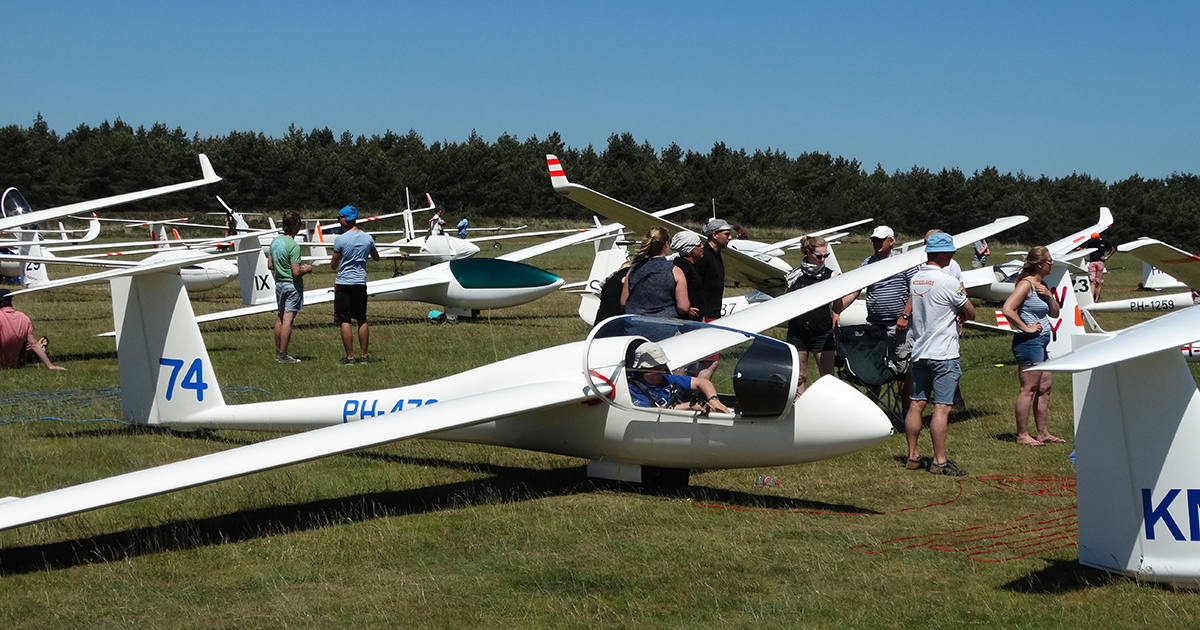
(207, 170)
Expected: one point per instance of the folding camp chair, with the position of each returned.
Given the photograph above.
(862, 361)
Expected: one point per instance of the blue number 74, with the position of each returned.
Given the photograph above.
(193, 380)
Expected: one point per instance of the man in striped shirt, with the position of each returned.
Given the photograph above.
(888, 307)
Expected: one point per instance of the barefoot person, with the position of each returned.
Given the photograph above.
(1029, 309)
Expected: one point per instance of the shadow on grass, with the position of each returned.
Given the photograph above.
(965, 415)
(1062, 576)
(504, 485)
(514, 485)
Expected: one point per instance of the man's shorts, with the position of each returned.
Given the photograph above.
(936, 376)
(288, 298)
(1030, 348)
(899, 349)
(349, 303)
(1096, 271)
(813, 342)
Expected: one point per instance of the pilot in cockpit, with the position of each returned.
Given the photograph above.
(650, 385)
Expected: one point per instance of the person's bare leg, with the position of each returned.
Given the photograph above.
(348, 340)
(283, 330)
(825, 362)
(937, 430)
(802, 374)
(363, 336)
(912, 427)
(1029, 386)
(707, 373)
(1041, 413)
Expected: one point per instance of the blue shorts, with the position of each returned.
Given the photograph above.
(1030, 348)
(939, 376)
(288, 298)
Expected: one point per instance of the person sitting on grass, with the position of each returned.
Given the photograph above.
(18, 346)
(650, 385)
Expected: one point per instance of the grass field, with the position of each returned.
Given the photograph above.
(435, 534)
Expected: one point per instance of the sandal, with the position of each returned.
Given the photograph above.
(1054, 440)
(920, 463)
(1030, 443)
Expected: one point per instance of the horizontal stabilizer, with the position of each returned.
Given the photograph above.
(1161, 333)
(1181, 265)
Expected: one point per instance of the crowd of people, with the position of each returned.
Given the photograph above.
(921, 311)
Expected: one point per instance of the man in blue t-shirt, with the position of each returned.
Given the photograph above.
(650, 385)
(462, 227)
(350, 252)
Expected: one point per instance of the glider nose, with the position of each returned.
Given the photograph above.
(835, 418)
(466, 249)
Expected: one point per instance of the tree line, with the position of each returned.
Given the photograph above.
(317, 171)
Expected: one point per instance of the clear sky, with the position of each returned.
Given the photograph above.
(1103, 88)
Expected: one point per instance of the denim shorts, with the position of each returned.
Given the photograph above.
(939, 376)
(288, 298)
(1030, 348)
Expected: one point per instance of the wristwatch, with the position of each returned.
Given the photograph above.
(903, 316)
(713, 397)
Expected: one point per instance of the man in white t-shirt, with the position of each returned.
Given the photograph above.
(938, 301)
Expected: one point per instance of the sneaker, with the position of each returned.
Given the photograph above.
(345, 361)
(920, 463)
(363, 359)
(949, 468)
(284, 357)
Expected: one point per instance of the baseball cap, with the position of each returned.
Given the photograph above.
(649, 355)
(714, 226)
(349, 213)
(883, 231)
(939, 242)
(1095, 235)
(684, 241)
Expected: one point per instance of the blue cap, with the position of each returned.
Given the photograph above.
(939, 242)
(349, 213)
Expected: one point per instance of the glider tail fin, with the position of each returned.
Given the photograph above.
(557, 176)
(609, 258)
(254, 274)
(33, 274)
(1070, 316)
(166, 375)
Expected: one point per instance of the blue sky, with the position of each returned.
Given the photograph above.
(1107, 89)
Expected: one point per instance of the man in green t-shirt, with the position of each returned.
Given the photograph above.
(289, 283)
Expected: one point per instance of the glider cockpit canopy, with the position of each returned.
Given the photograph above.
(755, 376)
(13, 203)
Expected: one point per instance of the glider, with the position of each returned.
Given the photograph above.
(571, 399)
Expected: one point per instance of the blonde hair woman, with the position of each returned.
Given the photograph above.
(1029, 309)
(812, 332)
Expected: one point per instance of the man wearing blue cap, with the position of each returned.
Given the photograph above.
(350, 251)
(937, 302)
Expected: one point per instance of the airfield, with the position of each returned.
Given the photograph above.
(427, 533)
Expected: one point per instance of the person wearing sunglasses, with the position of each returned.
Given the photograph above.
(1029, 309)
(812, 332)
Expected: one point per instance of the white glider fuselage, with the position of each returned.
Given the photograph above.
(588, 428)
